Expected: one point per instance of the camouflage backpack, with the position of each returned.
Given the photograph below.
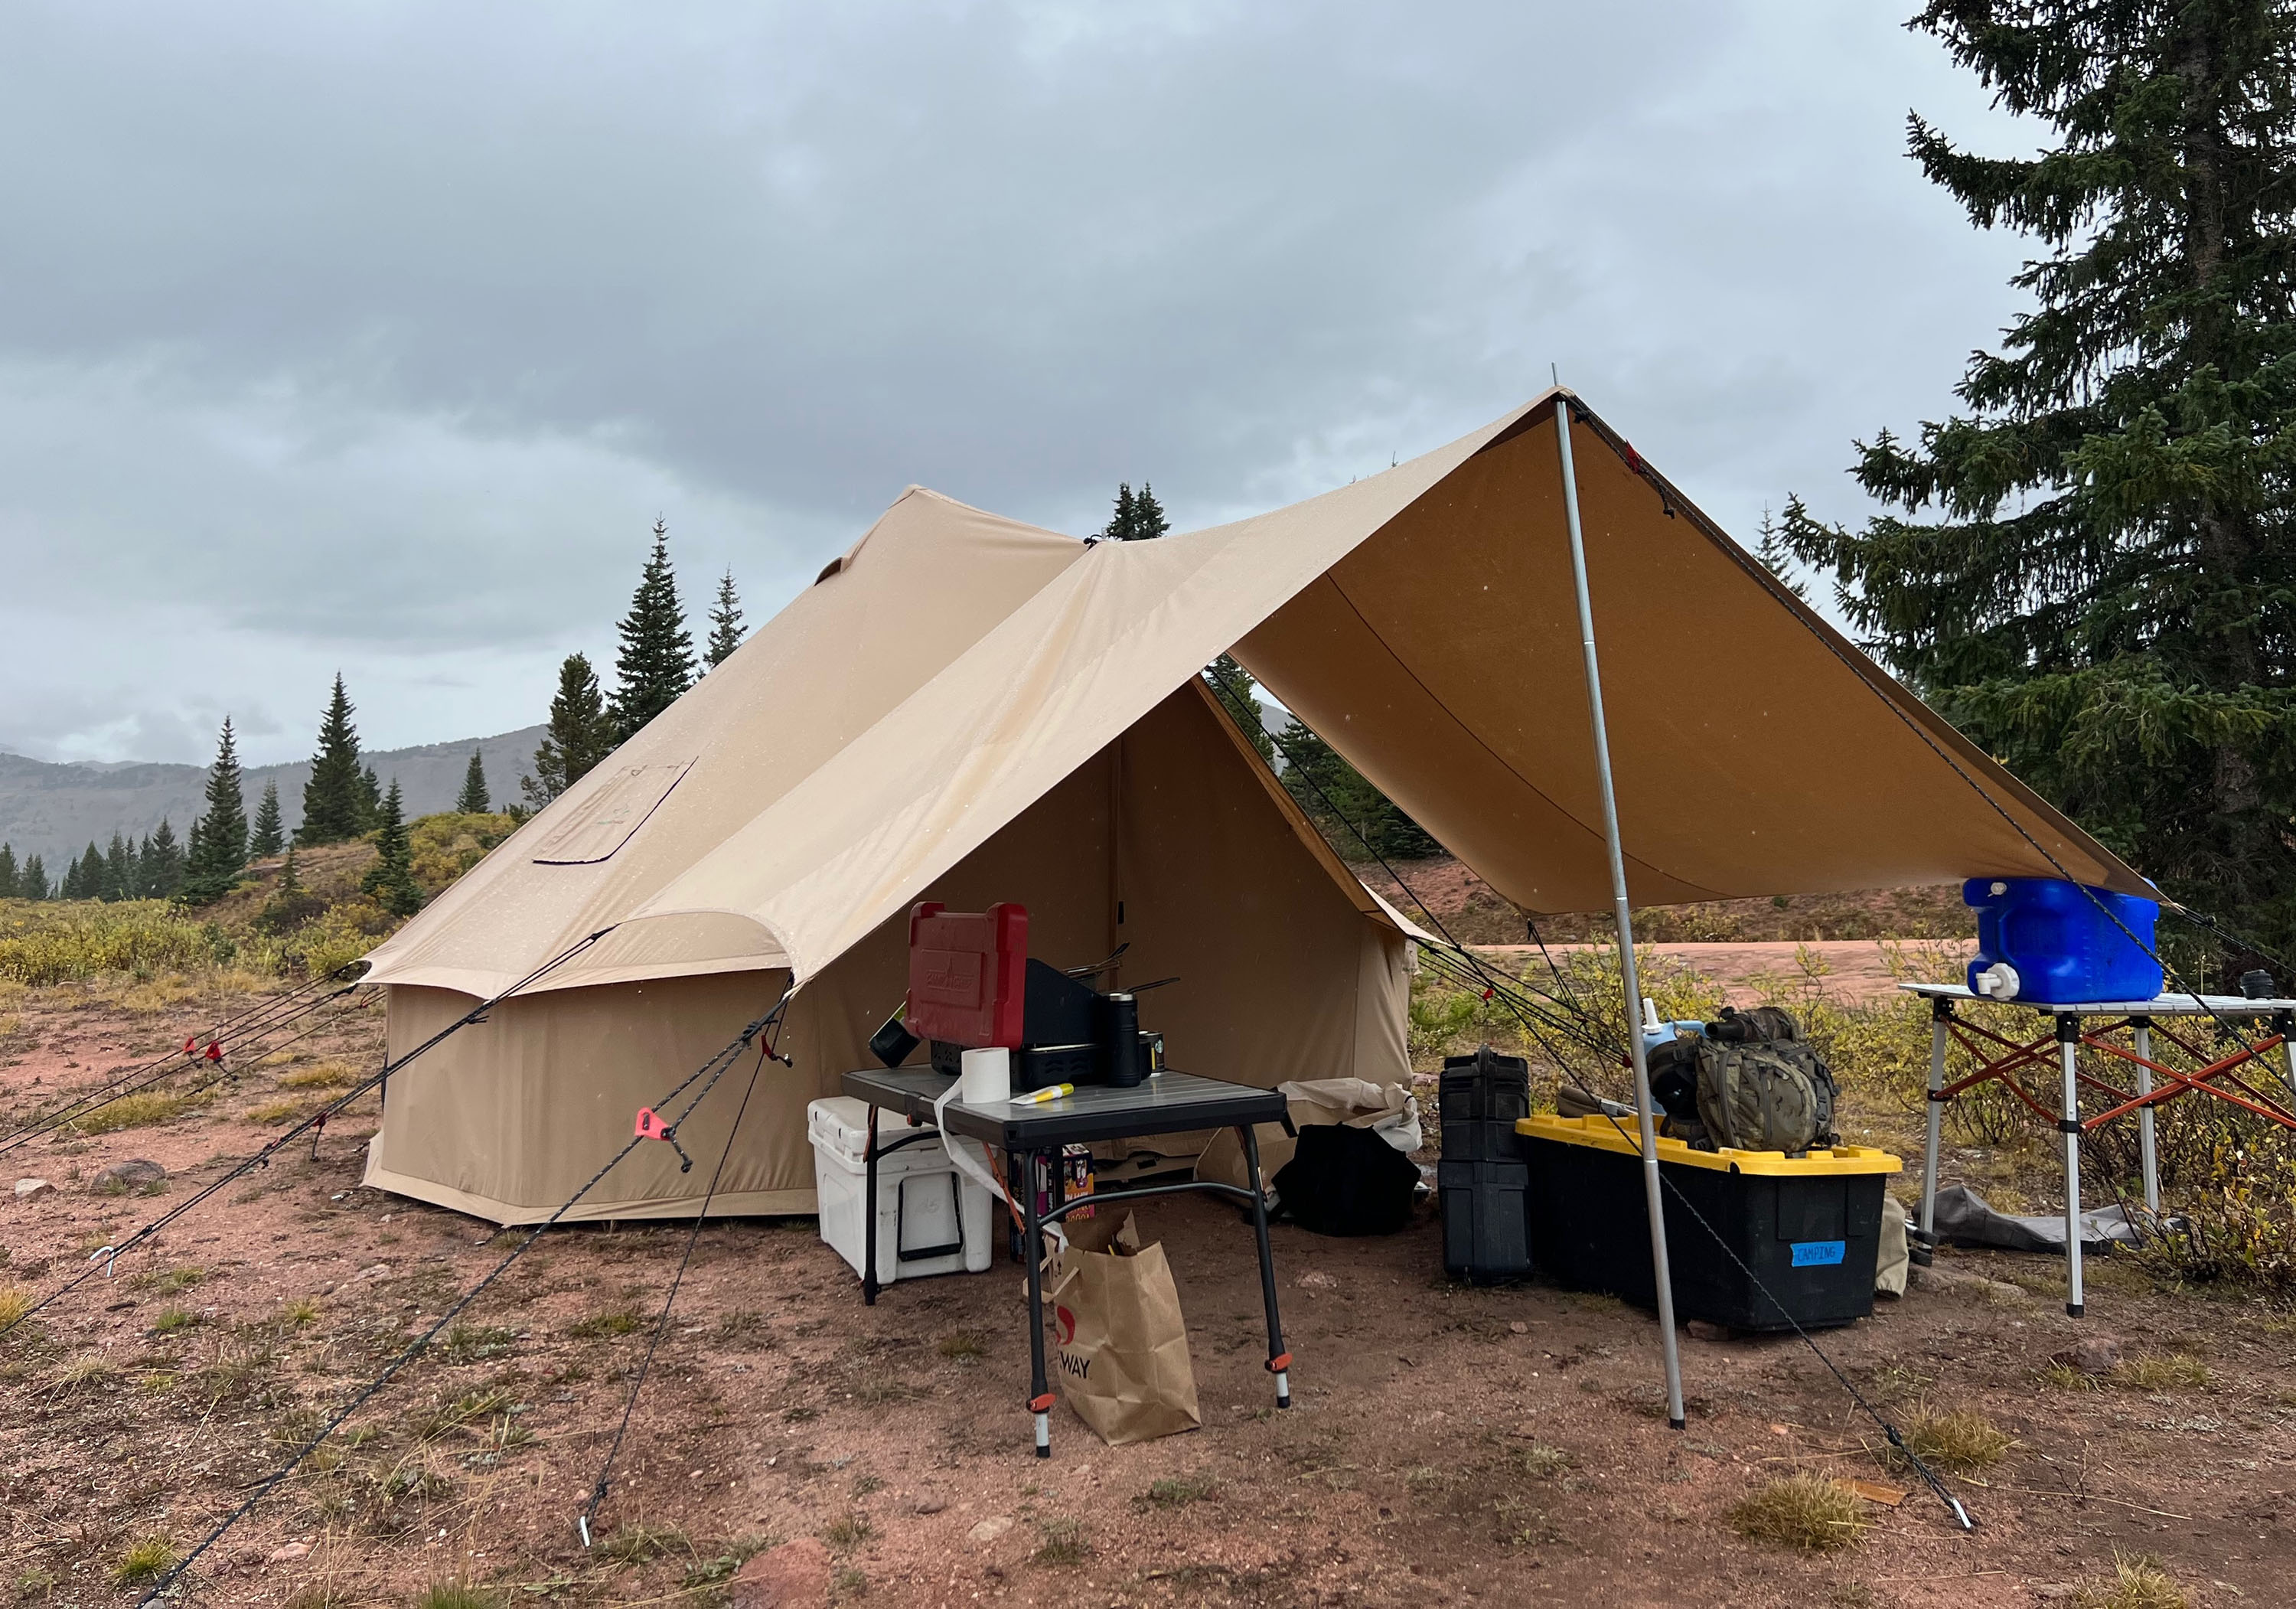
(1760, 1085)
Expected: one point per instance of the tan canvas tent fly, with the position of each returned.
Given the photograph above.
(968, 708)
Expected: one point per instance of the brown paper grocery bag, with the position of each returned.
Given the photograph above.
(1123, 1346)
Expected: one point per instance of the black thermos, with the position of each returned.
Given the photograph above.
(1116, 1039)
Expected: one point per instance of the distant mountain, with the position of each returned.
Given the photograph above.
(54, 810)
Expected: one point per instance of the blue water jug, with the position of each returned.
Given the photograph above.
(2045, 940)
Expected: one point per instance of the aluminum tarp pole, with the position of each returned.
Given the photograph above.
(1660, 1272)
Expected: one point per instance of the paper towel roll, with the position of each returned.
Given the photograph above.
(985, 1075)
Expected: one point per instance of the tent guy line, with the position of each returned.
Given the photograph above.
(262, 1158)
(366, 1393)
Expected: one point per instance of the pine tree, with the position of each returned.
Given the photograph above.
(84, 877)
(725, 631)
(9, 883)
(391, 880)
(580, 734)
(1235, 689)
(118, 871)
(165, 880)
(655, 662)
(472, 800)
(2093, 573)
(370, 801)
(1138, 516)
(32, 882)
(290, 882)
(334, 799)
(268, 836)
(219, 837)
(1345, 806)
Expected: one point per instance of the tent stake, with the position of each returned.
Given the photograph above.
(1662, 1274)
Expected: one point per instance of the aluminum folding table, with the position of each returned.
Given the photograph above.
(2097, 1026)
(1170, 1102)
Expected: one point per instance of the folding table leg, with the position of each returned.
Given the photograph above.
(2069, 1126)
(1940, 1014)
(2284, 1025)
(1279, 1361)
(2149, 1157)
(869, 1211)
(1032, 1246)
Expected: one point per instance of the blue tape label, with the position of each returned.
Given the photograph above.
(1814, 1253)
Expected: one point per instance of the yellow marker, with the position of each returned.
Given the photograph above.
(1038, 1099)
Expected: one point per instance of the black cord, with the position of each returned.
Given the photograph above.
(367, 1392)
(107, 1255)
(84, 1106)
(245, 1025)
(645, 1366)
(1888, 1429)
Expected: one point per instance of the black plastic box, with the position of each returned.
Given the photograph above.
(1484, 1088)
(1483, 1222)
(1807, 1229)
(1481, 1142)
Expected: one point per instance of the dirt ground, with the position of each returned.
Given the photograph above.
(1447, 1444)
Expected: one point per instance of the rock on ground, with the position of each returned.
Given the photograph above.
(795, 1572)
(133, 1174)
(27, 1189)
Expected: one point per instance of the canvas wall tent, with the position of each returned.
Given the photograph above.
(959, 700)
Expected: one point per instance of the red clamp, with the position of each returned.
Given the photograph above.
(1279, 1363)
(1044, 1404)
(191, 1045)
(214, 1052)
(649, 1125)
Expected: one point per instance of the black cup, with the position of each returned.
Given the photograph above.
(1116, 1041)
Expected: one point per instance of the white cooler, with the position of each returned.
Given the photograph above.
(930, 1218)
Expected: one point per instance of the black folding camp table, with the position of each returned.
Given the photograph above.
(1170, 1102)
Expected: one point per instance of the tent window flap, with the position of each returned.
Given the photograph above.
(606, 820)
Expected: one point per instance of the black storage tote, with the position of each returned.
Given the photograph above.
(1807, 1229)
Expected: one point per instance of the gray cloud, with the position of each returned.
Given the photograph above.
(375, 337)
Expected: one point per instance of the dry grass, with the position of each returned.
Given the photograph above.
(2153, 1372)
(1176, 1491)
(139, 1111)
(848, 1530)
(274, 1112)
(2065, 1377)
(15, 1302)
(962, 1346)
(144, 1559)
(1962, 1442)
(2138, 1582)
(1064, 1543)
(614, 1321)
(320, 1075)
(1808, 1511)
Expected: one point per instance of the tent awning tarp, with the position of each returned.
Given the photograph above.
(954, 667)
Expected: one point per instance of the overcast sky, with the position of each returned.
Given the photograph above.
(375, 336)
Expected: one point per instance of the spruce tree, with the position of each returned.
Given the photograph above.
(2093, 572)
(268, 836)
(84, 877)
(166, 879)
(391, 880)
(9, 883)
(118, 871)
(370, 801)
(579, 734)
(32, 882)
(219, 837)
(334, 799)
(1138, 516)
(1346, 806)
(725, 632)
(1234, 688)
(655, 662)
(472, 800)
